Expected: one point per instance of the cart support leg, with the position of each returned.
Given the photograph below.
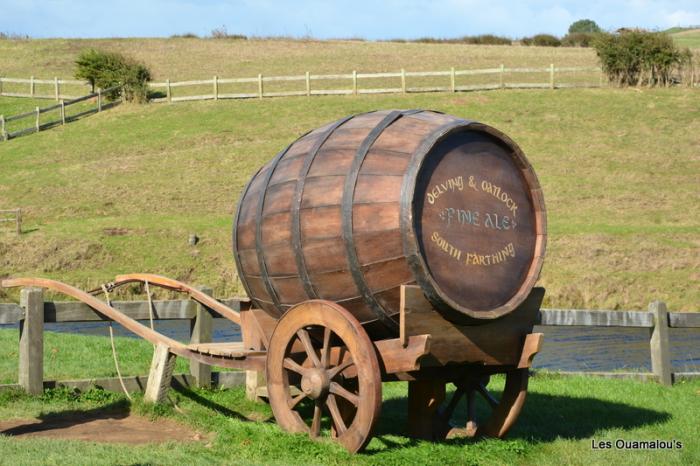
(255, 382)
(160, 375)
(424, 398)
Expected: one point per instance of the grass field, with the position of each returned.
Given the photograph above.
(619, 169)
(687, 38)
(561, 419)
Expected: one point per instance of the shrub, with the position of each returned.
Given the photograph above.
(584, 26)
(222, 33)
(577, 39)
(635, 58)
(541, 40)
(106, 70)
(483, 39)
(186, 35)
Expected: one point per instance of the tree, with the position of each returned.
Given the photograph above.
(108, 70)
(584, 25)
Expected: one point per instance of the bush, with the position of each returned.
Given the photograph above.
(577, 39)
(484, 39)
(635, 58)
(106, 70)
(541, 40)
(584, 26)
(222, 33)
(186, 35)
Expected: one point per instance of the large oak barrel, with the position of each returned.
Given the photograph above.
(356, 208)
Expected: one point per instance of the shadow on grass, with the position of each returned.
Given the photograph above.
(187, 392)
(65, 419)
(543, 419)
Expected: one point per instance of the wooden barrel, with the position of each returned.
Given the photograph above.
(356, 208)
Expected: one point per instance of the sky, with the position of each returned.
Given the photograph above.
(369, 19)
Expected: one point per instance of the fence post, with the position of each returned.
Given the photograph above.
(551, 75)
(452, 79)
(216, 88)
(55, 88)
(354, 82)
(18, 219)
(3, 131)
(660, 354)
(0, 85)
(63, 112)
(99, 100)
(31, 86)
(31, 341)
(308, 84)
(601, 77)
(167, 91)
(502, 77)
(403, 80)
(36, 122)
(201, 332)
(260, 86)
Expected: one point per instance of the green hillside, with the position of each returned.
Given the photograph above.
(122, 190)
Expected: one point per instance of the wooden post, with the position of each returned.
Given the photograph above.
(36, 122)
(453, 87)
(660, 354)
(601, 77)
(63, 112)
(201, 332)
(99, 100)
(424, 398)
(354, 82)
(31, 86)
(551, 75)
(160, 375)
(252, 341)
(308, 84)
(403, 80)
(18, 219)
(55, 88)
(216, 88)
(502, 77)
(0, 85)
(3, 131)
(260, 86)
(167, 91)
(31, 341)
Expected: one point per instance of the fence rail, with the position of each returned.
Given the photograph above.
(57, 86)
(354, 88)
(12, 215)
(62, 117)
(32, 314)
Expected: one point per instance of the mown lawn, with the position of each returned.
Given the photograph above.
(121, 191)
(561, 419)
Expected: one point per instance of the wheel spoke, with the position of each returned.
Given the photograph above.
(338, 421)
(339, 390)
(449, 409)
(293, 402)
(292, 365)
(338, 369)
(484, 392)
(316, 422)
(326, 350)
(308, 347)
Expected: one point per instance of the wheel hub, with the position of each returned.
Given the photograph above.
(315, 383)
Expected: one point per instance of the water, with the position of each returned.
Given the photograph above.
(565, 348)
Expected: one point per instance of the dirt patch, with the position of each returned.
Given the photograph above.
(100, 426)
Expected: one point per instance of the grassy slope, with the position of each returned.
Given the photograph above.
(181, 59)
(687, 38)
(562, 416)
(618, 168)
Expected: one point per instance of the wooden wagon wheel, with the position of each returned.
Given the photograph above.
(322, 350)
(504, 411)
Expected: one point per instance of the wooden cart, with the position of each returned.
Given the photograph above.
(318, 360)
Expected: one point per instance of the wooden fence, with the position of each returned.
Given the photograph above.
(33, 312)
(56, 85)
(399, 82)
(60, 119)
(12, 215)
